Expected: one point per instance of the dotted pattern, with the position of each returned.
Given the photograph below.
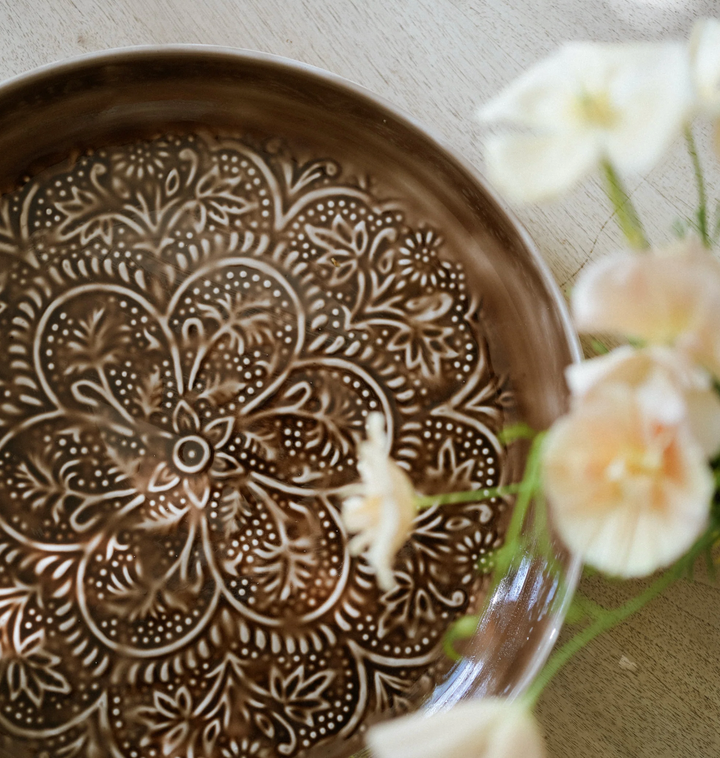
(194, 330)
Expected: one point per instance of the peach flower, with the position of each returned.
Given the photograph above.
(664, 297)
(627, 484)
(380, 509)
(642, 370)
(491, 728)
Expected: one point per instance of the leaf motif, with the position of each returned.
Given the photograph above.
(31, 670)
(215, 198)
(172, 182)
(233, 507)
(219, 391)
(95, 342)
(300, 177)
(150, 393)
(424, 339)
(265, 725)
(245, 322)
(86, 213)
(388, 689)
(343, 245)
(301, 697)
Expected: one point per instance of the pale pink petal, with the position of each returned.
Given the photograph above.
(628, 492)
(665, 297)
(662, 370)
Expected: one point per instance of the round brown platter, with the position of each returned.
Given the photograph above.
(214, 265)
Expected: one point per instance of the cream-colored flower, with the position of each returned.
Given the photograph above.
(491, 728)
(586, 103)
(642, 370)
(381, 508)
(669, 296)
(705, 62)
(627, 484)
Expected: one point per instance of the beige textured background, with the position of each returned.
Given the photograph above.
(652, 688)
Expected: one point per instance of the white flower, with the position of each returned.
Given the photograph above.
(586, 103)
(642, 370)
(664, 297)
(705, 62)
(491, 728)
(381, 508)
(628, 485)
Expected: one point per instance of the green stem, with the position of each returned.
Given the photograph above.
(470, 496)
(700, 182)
(627, 216)
(608, 619)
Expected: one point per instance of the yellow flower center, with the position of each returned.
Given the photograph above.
(595, 110)
(636, 462)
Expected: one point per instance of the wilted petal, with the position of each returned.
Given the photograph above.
(491, 728)
(381, 517)
(528, 168)
(628, 492)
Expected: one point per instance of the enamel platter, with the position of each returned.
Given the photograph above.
(213, 266)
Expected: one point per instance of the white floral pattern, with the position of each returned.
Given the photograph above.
(195, 332)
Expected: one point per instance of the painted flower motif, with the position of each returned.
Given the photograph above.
(141, 160)
(667, 296)
(380, 509)
(29, 669)
(196, 455)
(587, 103)
(491, 728)
(640, 369)
(174, 722)
(628, 486)
(419, 258)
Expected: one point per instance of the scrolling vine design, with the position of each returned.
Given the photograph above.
(194, 331)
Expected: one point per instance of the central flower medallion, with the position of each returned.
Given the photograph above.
(191, 454)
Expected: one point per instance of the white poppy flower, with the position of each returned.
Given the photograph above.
(627, 484)
(380, 509)
(705, 62)
(669, 296)
(491, 728)
(636, 368)
(586, 103)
